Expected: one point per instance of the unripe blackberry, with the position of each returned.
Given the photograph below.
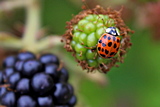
(83, 35)
(27, 81)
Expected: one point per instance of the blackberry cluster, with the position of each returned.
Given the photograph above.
(30, 82)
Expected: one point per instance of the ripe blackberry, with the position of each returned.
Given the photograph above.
(3, 90)
(63, 75)
(9, 61)
(49, 58)
(1, 77)
(72, 101)
(25, 56)
(51, 69)
(13, 79)
(27, 81)
(23, 86)
(62, 94)
(8, 71)
(30, 67)
(8, 99)
(42, 83)
(19, 65)
(26, 101)
(45, 101)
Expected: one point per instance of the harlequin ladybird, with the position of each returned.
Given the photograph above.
(108, 44)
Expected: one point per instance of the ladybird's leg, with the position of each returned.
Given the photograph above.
(122, 50)
(95, 56)
(104, 67)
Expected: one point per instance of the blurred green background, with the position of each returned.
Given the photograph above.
(136, 83)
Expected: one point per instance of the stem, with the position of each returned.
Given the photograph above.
(48, 42)
(32, 25)
(10, 5)
(9, 41)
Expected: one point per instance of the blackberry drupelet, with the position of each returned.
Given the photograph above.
(27, 81)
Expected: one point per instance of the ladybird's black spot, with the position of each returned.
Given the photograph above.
(103, 55)
(104, 36)
(103, 44)
(112, 53)
(115, 45)
(110, 44)
(117, 49)
(118, 40)
(114, 38)
(106, 51)
(99, 48)
(109, 38)
(100, 41)
(108, 57)
(102, 50)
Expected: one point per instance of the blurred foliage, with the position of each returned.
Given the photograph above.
(55, 13)
(135, 83)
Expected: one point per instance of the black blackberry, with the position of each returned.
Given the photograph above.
(49, 58)
(27, 81)
(30, 67)
(8, 99)
(25, 56)
(9, 61)
(1, 77)
(2, 91)
(42, 83)
(23, 86)
(13, 79)
(62, 94)
(26, 101)
(8, 71)
(46, 101)
(72, 101)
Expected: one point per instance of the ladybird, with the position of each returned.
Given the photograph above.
(109, 43)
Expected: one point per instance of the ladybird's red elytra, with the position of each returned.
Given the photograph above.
(109, 43)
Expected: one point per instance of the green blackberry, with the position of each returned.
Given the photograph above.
(84, 31)
(27, 81)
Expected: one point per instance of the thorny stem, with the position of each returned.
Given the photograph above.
(32, 25)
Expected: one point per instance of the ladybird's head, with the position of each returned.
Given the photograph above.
(113, 31)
